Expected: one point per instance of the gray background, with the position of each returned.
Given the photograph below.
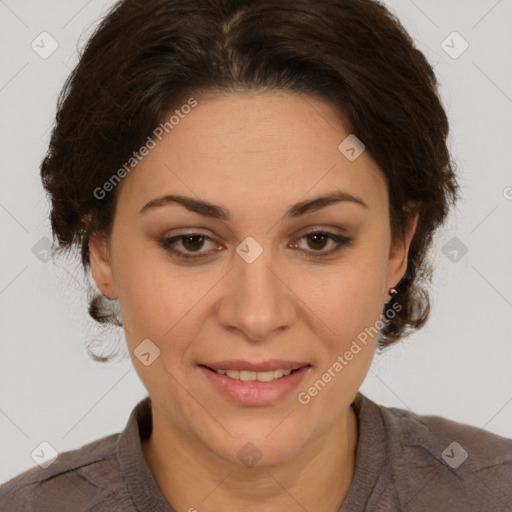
(458, 366)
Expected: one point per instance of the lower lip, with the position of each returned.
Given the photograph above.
(255, 393)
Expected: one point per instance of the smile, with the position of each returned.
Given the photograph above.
(251, 384)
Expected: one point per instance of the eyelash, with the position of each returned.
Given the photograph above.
(340, 241)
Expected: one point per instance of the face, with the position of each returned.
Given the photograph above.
(256, 283)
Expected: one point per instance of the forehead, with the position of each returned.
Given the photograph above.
(273, 147)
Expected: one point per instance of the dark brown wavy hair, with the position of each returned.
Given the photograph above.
(146, 57)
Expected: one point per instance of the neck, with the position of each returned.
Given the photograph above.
(191, 477)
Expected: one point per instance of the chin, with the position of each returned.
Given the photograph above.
(260, 446)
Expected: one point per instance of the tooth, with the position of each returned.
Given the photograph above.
(278, 373)
(234, 374)
(246, 375)
(265, 376)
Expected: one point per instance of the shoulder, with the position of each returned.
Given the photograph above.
(441, 460)
(481, 448)
(75, 481)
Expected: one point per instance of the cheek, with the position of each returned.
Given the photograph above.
(145, 299)
(348, 298)
(162, 302)
(350, 308)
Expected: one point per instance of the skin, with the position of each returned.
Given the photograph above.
(256, 155)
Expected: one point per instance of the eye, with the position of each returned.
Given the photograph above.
(191, 242)
(319, 239)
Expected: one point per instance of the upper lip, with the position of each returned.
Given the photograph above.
(264, 366)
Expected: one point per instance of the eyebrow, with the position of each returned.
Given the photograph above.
(207, 209)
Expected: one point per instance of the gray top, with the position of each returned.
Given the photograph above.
(404, 462)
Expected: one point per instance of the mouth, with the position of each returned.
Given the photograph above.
(255, 384)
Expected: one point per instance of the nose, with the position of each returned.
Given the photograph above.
(257, 302)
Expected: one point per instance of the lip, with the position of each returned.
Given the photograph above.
(255, 393)
(264, 366)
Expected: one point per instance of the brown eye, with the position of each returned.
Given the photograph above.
(317, 241)
(187, 246)
(193, 243)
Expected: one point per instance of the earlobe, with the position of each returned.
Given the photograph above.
(101, 268)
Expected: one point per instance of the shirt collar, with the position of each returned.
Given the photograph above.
(141, 484)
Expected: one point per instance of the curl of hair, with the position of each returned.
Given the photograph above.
(147, 57)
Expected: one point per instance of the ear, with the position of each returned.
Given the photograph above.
(399, 252)
(101, 268)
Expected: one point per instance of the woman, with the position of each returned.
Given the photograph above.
(256, 185)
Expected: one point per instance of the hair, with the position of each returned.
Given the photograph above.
(146, 57)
